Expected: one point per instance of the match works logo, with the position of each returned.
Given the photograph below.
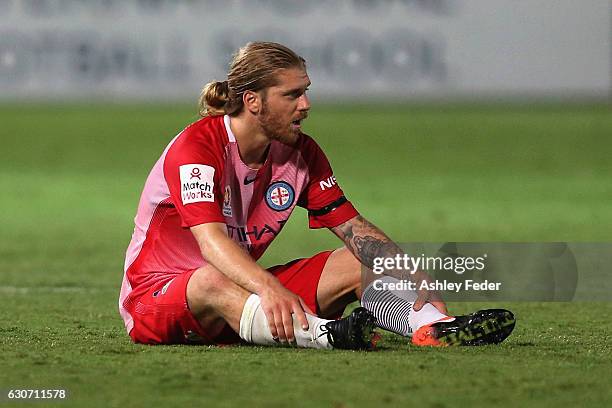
(197, 183)
(280, 196)
(196, 173)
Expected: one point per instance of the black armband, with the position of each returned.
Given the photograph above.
(328, 208)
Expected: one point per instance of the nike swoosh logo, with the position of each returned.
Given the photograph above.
(247, 181)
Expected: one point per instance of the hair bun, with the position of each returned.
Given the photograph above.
(213, 98)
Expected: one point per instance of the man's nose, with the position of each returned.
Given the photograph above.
(303, 103)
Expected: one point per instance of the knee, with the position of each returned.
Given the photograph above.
(208, 280)
(353, 265)
(206, 290)
(358, 275)
(351, 268)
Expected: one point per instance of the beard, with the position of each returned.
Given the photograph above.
(276, 128)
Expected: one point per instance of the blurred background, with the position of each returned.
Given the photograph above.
(160, 50)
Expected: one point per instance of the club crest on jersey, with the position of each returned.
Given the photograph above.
(227, 202)
(280, 196)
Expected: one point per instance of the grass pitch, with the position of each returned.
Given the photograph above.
(71, 178)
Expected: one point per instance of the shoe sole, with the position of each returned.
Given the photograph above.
(490, 326)
(368, 333)
(362, 324)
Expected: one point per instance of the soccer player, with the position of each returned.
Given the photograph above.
(222, 191)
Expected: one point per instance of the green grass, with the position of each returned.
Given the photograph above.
(71, 177)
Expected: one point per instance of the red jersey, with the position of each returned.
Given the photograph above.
(200, 178)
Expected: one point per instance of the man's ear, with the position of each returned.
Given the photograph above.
(252, 101)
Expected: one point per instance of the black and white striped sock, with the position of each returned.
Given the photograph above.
(393, 308)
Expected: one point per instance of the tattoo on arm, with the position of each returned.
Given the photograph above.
(366, 241)
(369, 247)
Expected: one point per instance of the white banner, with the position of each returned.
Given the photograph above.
(410, 49)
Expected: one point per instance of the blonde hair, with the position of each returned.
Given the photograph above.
(253, 68)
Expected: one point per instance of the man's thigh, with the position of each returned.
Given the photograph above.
(326, 281)
(340, 283)
(162, 316)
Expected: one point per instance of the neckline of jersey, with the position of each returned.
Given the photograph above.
(232, 139)
(228, 129)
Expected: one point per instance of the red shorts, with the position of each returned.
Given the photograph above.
(161, 315)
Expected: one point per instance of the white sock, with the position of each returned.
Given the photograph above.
(254, 328)
(393, 308)
(427, 315)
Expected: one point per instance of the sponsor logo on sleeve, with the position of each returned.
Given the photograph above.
(197, 183)
(327, 183)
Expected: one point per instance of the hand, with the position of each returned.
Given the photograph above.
(426, 295)
(278, 304)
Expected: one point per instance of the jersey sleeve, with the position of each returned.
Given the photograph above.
(192, 169)
(323, 198)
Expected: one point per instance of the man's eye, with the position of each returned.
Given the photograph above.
(297, 94)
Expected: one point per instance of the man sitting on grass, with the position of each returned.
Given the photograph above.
(222, 191)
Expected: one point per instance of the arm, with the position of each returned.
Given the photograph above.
(367, 242)
(230, 259)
